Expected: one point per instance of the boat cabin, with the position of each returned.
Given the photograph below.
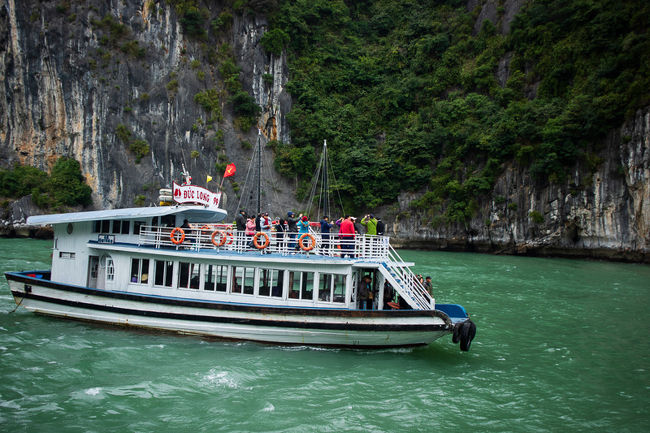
(186, 252)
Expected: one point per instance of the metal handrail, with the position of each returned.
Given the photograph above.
(408, 282)
(286, 243)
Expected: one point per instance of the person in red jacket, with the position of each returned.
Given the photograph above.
(346, 235)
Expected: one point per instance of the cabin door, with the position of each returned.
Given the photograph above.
(93, 268)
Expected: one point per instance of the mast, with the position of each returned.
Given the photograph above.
(326, 192)
(259, 171)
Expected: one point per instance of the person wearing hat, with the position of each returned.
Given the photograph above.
(346, 235)
(371, 224)
(303, 227)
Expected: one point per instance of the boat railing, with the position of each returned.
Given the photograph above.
(409, 286)
(223, 237)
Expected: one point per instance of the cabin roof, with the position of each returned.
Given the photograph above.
(192, 213)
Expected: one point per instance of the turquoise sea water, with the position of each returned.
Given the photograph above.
(562, 345)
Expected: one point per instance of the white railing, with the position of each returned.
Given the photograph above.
(223, 237)
(406, 283)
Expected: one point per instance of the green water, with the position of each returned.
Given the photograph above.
(562, 345)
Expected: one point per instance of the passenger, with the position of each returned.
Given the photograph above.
(381, 227)
(346, 236)
(325, 228)
(250, 232)
(293, 229)
(371, 224)
(280, 229)
(365, 293)
(389, 295)
(186, 224)
(265, 226)
(358, 228)
(258, 223)
(240, 223)
(428, 286)
(303, 228)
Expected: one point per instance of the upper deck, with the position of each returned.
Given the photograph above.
(225, 238)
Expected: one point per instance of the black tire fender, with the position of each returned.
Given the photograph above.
(455, 337)
(467, 334)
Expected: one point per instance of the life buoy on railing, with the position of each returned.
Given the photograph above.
(205, 227)
(223, 237)
(312, 242)
(175, 240)
(230, 237)
(256, 238)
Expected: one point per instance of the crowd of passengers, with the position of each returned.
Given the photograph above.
(289, 229)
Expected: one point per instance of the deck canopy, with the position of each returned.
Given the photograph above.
(192, 213)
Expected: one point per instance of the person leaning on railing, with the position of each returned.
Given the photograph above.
(346, 235)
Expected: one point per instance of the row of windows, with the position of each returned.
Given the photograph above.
(301, 285)
(117, 226)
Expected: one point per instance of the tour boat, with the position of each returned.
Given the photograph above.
(180, 268)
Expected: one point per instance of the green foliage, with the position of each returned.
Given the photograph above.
(223, 22)
(409, 98)
(209, 100)
(140, 149)
(65, 186)
(193, 22)
(139, 200)
(536, 217)
(274, 41)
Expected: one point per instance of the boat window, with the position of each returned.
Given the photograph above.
(140, 271)
(216, 277)
(270, 282)
(106, 226)
(97, 226)
(188, 275)
(66, 255)
(243, 280)
(339, 288)
(117, 225)
(164, 272)
(110, 269)
(301, 285)
(136, 226)
(125, 227)
(168, 221)
(331, 288)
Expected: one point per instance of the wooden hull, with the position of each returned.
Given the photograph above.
(280, 325)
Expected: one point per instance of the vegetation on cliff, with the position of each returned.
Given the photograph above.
(410, 96)
(64, 186)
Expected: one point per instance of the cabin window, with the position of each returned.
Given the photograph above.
(168, 221)
(121, 227)
(102, 226)
(136, 226)
(270, 282)
(164, 273)
(243, 280)
(216, 277)
(189, 275)
(110, 269)
(140, 271)
(331, 288)
(301, 285)
(66, 255)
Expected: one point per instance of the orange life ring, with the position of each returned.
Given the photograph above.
(173, 237)
(223, 237)
(311, 245)
(205, 227)
(266, 243)
(393, 305)
(230, 237)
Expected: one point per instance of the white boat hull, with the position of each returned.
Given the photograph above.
(280, 325)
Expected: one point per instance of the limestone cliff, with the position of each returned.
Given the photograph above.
(77, 74)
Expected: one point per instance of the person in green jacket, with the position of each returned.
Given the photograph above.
(371, 224)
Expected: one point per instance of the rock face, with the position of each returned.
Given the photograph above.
(75, 75)
(604, 213)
